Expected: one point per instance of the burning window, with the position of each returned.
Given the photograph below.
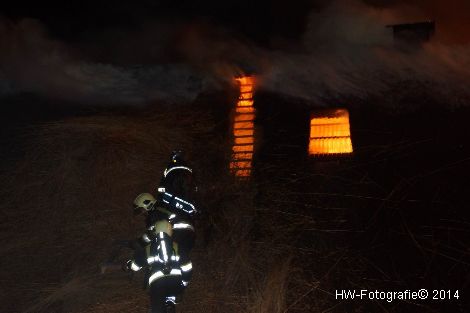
(330, 133)
(243, 129)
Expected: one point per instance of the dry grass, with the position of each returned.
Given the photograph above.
(271, 296)
(281, 244)
(69, 197)
(71, 194)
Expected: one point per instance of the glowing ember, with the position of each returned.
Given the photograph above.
(246, 88)
(245, 103)
(242, 164)
(242, 148)
(246, 96)
(244, 140)
(242, 173)
(243, 129)
(243, 132)
(330, 133)
(248, 125)
(244, 117)
(242, 156)
(246, 81)
(245, 110)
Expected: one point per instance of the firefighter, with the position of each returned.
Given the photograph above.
(173, 204)
(161, 259)
(176, 193)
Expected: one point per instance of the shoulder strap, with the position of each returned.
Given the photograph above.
(178, 204)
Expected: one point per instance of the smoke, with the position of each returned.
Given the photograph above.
(167, 61)
(348, 52)
(32, 62)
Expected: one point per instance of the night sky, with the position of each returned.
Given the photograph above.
(75, 20)
(260, 20)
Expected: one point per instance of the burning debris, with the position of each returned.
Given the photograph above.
(243, 129)
(330, 133)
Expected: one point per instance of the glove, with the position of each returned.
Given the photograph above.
(126, 267)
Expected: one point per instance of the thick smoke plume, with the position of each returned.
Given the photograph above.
(348, 52)
(32, 62)
(345, 52)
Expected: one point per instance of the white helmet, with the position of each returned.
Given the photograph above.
(144, 202)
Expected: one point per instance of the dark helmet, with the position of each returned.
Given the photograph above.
(177, 156)
(178, 178)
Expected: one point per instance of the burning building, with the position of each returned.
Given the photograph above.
(330, 133)
(243, 129)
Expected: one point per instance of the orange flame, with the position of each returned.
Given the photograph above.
(330, 133)
(246, 81)
(243, 129)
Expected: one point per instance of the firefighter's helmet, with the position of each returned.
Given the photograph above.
(144, 203)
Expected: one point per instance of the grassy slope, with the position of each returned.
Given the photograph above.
(285, 242)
